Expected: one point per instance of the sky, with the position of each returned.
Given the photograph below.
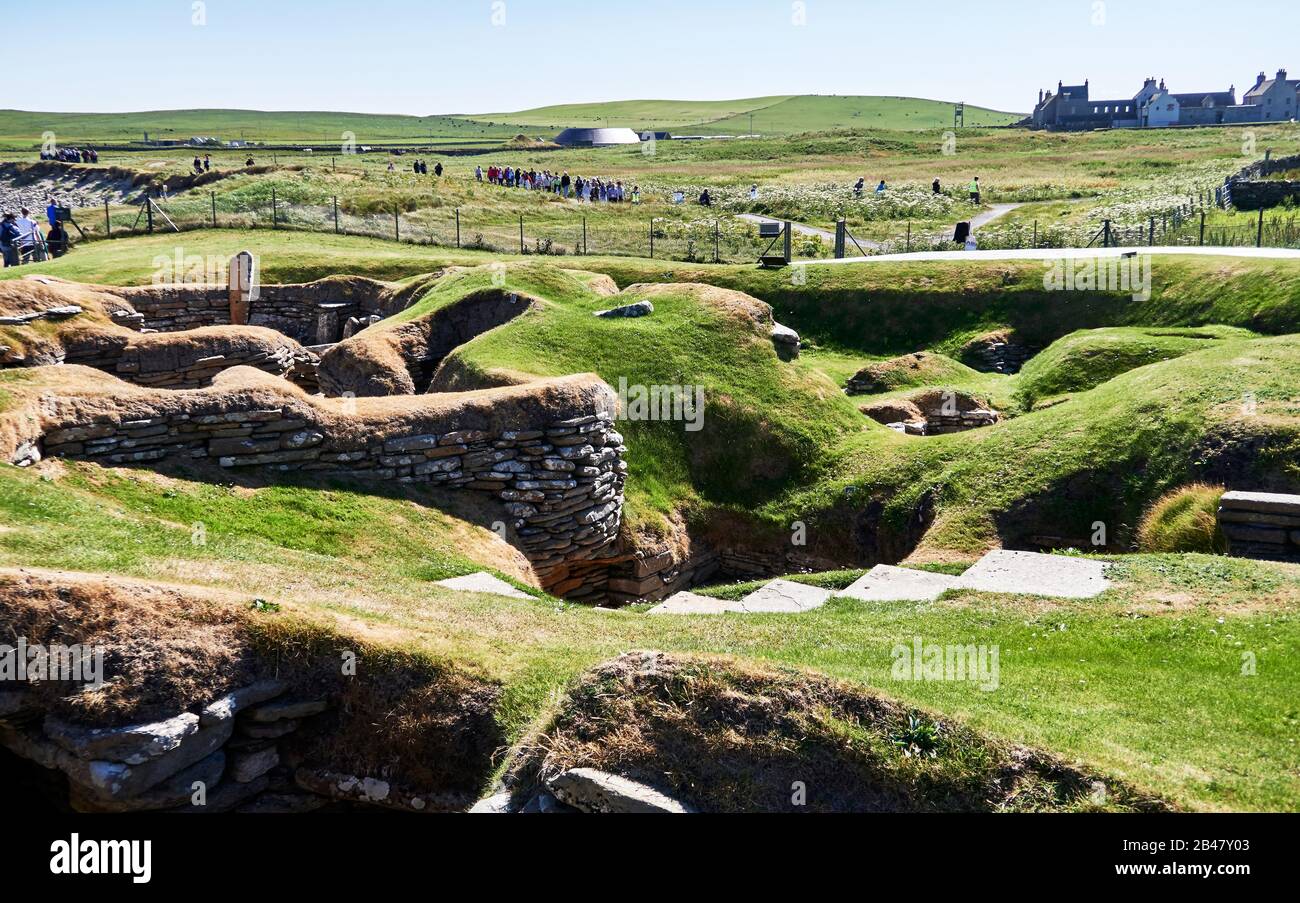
(426, 57)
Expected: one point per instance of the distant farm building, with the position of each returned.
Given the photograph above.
(596, 137)
(1072, 108)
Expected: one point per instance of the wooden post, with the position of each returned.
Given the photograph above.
(652, 238)
(1035, 233)
(148, 207)
(585, 246)
(1259, 234)
(1151, 235)
(397, 223)
(841, 228)
(909, 236)
(521, 233)
(1202, 228)
(717, 241)
(108, 223)
(789, 243)
(458, 228)
(336, 214)
(214, 208)
(274, 215)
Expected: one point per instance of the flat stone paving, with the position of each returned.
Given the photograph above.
(1031, 573)
(1027, 573)
(885, 583)
(483, 582)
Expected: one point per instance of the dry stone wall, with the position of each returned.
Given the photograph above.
(548, 452)
(1261, 525)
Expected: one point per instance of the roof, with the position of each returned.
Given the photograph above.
(1212, 99)
(1263, 88)
(596, 137)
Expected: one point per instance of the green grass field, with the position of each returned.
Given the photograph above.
(1129, 400)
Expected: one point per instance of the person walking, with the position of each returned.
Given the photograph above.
(938, 189)
(437, 170)
(975, 191)
(29, 236)
(880, 189)
(858, 188)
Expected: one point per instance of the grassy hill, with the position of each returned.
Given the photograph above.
(820, 113)
(663, 114)
(778, 115)
(775, 115)
(21, 129)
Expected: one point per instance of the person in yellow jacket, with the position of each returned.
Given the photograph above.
(975, 191)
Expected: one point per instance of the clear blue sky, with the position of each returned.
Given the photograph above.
(447, 56)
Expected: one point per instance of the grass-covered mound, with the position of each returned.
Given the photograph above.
(727, 738)
(1148, 676)
(1184, 520)
(764, 424)
(908, 371)
(1090, 357)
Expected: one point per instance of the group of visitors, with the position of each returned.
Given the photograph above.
(202, 165)
(71, 155)
(21, 239)
(861, 186)
(421, 168)
(605, 191)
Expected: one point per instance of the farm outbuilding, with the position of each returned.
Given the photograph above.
(596, 137)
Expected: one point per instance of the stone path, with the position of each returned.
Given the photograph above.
(483, 582)
(1024, 573)
(1061, 254)
(996, 211)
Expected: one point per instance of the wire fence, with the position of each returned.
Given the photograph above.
(721, 239)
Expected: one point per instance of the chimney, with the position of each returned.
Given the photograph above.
(1040, 97)
(1281, 75)
(1260, 79)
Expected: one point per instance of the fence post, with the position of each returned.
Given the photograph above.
(214, 208)
(652, 238)
(274, 215)
(458, 228)
(521, 233)
(1035, 233)
(789, 243)
(108, 223)
(1151, 235)
(909, 236)
(840, 228)
(397, 223)
(585, 247)
(336, 214)
(148, 209)
(717, 241)
(1202, 228)
(1259, 234)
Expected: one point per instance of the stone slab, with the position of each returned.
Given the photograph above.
(589, 790)
(1031, 573)
(785, 596)
(483, 583)
(885, 583)
(1263, 502)
(685, 603)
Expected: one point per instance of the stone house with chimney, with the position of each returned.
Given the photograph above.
(1072, 108)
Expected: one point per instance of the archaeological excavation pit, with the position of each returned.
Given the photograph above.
(935, 412)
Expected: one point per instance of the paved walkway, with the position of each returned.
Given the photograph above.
(1062, 254)
(1000, 571)
(997, 211)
